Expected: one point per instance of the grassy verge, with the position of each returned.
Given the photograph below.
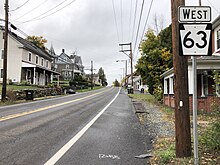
(18, 87)
(89, 89)
(209, 141)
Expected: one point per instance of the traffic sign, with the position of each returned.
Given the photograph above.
(194, 14)
(195, 39)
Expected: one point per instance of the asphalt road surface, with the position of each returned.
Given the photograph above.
(93, 128)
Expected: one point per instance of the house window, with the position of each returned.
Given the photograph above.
(29, 57)
(206, 85)
(67, 66)
(47, 63)
(1, 74)
(2, 54)
(37, 58)
(42, 62)
(218, 39)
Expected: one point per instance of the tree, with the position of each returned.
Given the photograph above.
(116, 83)
(156, 59)
(102, 77)
(39, 41)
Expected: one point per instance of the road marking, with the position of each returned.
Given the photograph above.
(4, 118)
(72, 141)
(103, 156)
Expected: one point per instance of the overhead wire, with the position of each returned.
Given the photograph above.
(33, 9)
(19, 6)
(139, 23)
(115, 20)
(129, 35)
(135, 13)
(148, 14)
(142, 36)
(122, 21)
(56, 10)
(37, 17)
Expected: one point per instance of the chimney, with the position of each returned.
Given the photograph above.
(63, 50)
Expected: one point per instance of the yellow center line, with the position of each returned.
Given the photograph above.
(4, 118)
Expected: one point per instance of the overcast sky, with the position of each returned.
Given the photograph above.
(93, 28)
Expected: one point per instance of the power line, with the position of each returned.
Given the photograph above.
(115, 19)
(32, 10)
(135, 13)
(148, 14)
(57, 10)
(20, 6)
(121, 21)
(139, 23)
(36, 18)
(130, 20)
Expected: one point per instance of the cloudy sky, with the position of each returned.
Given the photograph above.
(94, 28)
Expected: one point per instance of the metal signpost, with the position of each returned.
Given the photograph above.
(195, 40)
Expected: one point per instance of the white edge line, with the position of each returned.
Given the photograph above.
(72, 141)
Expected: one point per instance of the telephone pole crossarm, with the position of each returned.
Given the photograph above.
(130, 56)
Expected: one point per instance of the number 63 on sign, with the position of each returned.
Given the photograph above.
(195, 39)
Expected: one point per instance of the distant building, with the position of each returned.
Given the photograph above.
(68, 66)
(26, 62)
(96, 79)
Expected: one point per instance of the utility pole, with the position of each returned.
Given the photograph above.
(181, 94)
(92, 75)
(73, 65)
(130, 57)
(4, 83)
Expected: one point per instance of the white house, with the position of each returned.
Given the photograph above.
(26, 62)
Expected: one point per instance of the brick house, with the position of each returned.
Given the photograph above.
(207, 91)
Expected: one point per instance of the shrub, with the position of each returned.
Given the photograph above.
(210, 138)
(167, 155)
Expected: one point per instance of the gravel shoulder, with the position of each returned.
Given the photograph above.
(154, 120)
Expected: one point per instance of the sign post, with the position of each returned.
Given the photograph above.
(195, 40)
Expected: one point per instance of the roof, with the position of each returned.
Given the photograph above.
(29, 45)
(207, 58)
(216, 22)
(63, 58)
(201, 59)
(170, 71)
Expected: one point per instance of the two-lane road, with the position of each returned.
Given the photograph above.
(97, 127)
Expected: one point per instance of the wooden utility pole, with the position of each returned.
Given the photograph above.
(4, 83)
(181, 91)
(130, 56)
(91, 74)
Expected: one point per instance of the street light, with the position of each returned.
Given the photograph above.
(125, 68)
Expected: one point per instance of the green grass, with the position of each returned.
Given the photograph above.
(144, 97)
(18, 87)
(89, 89)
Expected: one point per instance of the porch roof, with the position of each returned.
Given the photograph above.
(28, 65)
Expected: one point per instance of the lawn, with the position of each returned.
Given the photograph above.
(18, 87)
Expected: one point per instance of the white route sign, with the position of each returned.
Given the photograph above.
(194, 14)
(195, 39)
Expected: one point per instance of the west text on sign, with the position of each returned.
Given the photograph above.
(194, 14)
